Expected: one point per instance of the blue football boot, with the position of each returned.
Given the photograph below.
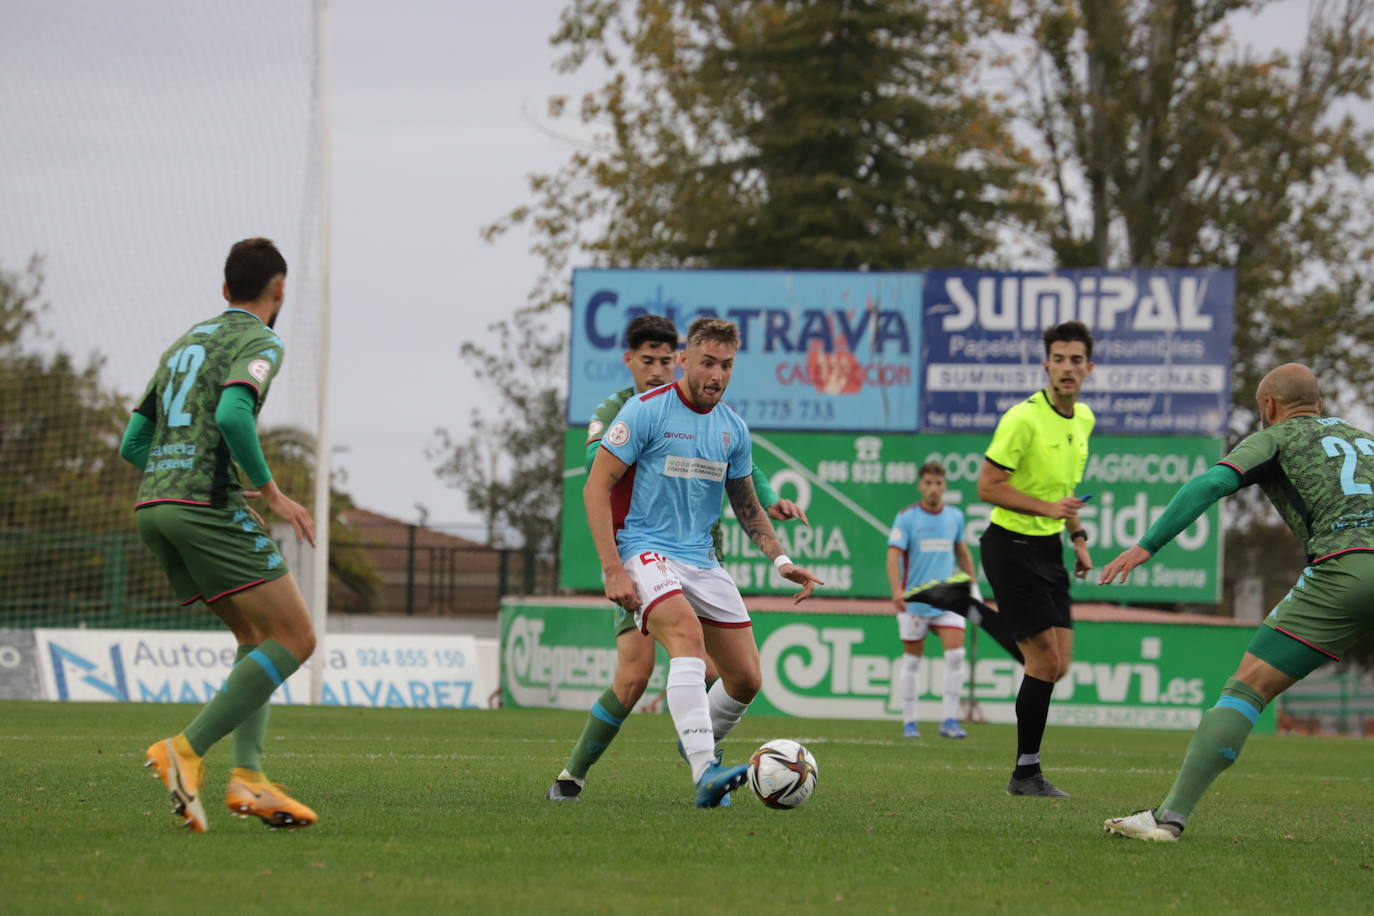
(716, 784)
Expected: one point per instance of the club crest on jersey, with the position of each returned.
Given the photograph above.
(259, 368)
(594, 429)
(619, 434)
(725, 438)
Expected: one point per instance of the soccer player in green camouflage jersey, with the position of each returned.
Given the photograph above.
(193, 432)
(651, 358)
(1319, 474)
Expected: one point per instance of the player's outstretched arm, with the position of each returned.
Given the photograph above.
(606, 471)
(1125, 561)
(755, 523)
(1191, 500)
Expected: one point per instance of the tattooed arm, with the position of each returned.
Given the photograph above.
(754, 520)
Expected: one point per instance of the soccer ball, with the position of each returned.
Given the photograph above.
(783, 774)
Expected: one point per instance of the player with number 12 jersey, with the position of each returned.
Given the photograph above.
(189, 461)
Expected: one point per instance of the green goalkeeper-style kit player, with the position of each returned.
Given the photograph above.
(193, 431)
(651, 358)
(1318, 472)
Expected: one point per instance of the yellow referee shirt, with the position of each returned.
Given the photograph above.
(1046, 453)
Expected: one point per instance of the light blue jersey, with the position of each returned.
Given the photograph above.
(679, 461)
(927, 541)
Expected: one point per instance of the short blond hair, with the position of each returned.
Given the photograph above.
(713, 330)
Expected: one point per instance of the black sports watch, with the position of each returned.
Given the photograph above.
(1080, 533)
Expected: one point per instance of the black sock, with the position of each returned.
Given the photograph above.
(1032, 709)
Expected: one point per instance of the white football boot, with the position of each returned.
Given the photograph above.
(1142, 826)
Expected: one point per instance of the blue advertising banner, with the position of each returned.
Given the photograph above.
(1162, 350)
(819, 350)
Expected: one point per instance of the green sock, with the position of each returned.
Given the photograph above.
(603, 723)
(1216, 744)
(249, 735)
(247, 688)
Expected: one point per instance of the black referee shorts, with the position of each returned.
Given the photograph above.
(1028, 579)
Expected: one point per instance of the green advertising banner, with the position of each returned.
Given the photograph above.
(852, 487)
(1126, 675)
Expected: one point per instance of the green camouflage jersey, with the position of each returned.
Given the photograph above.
(188, 459)
(601, 420)
(1319, 474)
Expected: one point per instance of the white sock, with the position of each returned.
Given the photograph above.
(954, 682)
(726, 711)
(908, 680)
(691, 711)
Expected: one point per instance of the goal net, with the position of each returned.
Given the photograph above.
(140, 140)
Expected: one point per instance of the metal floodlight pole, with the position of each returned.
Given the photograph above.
(319, 597)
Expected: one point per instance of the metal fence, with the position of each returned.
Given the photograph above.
(1335, 700)
(111, 580)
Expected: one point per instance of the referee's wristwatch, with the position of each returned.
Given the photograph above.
(1080, 533)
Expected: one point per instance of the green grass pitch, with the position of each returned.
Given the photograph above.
(441, 811)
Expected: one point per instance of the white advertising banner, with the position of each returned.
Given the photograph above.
(156, 666)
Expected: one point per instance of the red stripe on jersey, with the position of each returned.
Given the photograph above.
(1232, 467)
(620, 498)
(649, 395)
(1341, 553)
(683, 398)
(245, 383)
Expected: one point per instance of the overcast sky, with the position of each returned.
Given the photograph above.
(139, 139)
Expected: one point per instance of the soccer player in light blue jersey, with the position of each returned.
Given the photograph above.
(926, 541)
(652, 495)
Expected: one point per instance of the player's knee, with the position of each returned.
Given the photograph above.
(302, 644)
(744, 685)
(629, 687)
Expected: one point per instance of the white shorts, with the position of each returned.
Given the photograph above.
(914, 627)
(711, 592)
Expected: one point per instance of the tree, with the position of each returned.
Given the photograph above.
(67, 538)
(1165, 144)
(509, 466)
(290, 453)
(65, 495)
(772, 134)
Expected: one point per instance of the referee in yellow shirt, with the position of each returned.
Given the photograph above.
(1032, 468)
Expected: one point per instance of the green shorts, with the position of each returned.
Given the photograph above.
(209, 553)
(624, 620)
(1331, 606)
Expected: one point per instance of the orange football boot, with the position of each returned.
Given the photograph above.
(267, 801)
(182, 773)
